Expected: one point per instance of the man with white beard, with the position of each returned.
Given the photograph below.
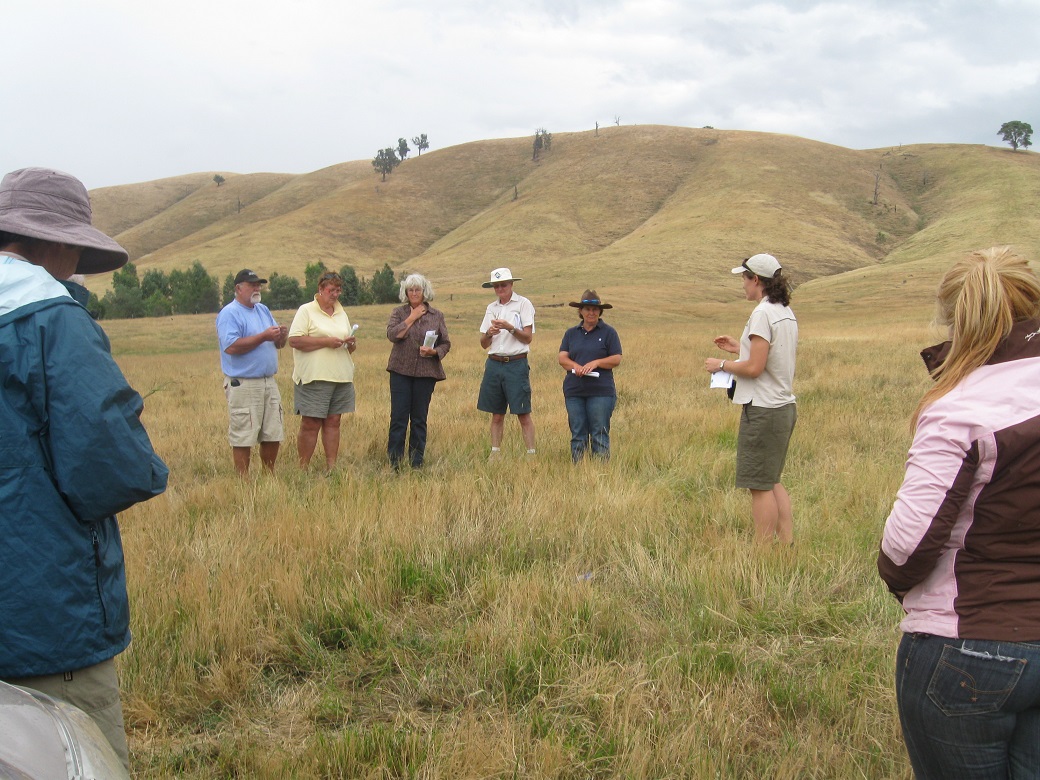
(249, 339)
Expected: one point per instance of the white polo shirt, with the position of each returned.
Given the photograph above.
(517, 310)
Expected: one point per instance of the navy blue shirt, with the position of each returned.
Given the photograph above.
(583, 346)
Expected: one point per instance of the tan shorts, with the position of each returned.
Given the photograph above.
(95, 690)
(254, 411)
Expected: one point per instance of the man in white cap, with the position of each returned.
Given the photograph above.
(506, 334)
(73, 453)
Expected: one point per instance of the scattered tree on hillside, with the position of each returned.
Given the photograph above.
(218, 179)
(617, 121)
(421, 144)
(877, 185)
(385, 161)
(542, 141)
(402, 148)
(1017, 134)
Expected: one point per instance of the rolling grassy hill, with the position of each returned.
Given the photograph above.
(645, 212)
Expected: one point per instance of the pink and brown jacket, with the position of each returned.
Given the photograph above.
(961, 548)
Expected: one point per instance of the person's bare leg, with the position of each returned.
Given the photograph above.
(240, 457)
(785, 517)
(307, 439)
(765, 514)
(527, 429)
(498, 424)
(330, 438)
(268, 454)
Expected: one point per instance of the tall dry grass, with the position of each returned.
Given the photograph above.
(526, 618)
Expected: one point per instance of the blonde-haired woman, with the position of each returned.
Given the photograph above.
(961, 548)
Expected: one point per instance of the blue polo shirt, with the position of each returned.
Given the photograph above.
(236, 321)
(583, 346)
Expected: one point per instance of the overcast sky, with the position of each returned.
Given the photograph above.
(121, 91)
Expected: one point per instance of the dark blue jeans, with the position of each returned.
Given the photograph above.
(409, 403)
(589, 418)
(970, 709)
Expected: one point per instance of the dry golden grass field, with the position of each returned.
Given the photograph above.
(527, 618)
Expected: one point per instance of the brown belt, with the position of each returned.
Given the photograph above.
(507, 358)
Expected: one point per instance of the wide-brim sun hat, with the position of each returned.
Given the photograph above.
(590, 298)
(761, 265)
(54, 206)
(501, 275)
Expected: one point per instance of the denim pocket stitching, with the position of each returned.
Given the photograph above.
(954, 687)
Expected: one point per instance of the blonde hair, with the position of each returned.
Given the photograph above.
(979, 300)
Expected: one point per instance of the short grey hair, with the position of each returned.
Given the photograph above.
(416, 280)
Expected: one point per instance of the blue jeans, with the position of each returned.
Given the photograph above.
(589, 418)
(970, 709)
(409, 403)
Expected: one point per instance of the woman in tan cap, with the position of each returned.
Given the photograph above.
(589, 353)
(764, 372)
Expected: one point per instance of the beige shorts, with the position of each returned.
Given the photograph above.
(95, 690)
(254, 411)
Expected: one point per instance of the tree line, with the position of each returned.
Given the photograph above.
(195, 291)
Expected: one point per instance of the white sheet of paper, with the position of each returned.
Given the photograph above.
(431, 338)
(591, 373)
(721, 379)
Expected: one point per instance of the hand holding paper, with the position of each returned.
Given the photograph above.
(721, 379)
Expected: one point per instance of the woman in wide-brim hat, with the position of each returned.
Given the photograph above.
(589, 353)
(47, 205)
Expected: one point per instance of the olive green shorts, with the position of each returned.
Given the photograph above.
(762, 445)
